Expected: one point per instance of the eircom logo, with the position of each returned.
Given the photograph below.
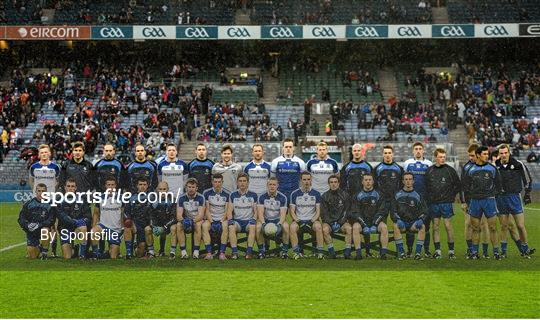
(22, 196)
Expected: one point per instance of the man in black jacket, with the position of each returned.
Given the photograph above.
(443, 184)
(79, 169)
(515, 177)
(335, 203)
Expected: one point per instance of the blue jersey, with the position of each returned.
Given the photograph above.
(108, 168)
(217, 203)
(287, 171)
(173, 172)
(482, 181)
(305, 203)
(146, 170)
(163, 213)
(418, 168)
(34, 211)
(352, 175)
(408, 206)
(388, 179)
(191, 205)
(273, 205)
(47, 174)
(138, 209)
(258, 176)
(202, 171)
(243, 205)
(321, 170)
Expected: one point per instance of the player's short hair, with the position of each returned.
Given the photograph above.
(217, 176)
(322, 144)
(192, 181)
(504, 146)
(139, 144)
(41, 185)
(242, 175)
(227, 147)
(44, 146)
(72, 180)
(78, 144)
(437, 151)
(334, 176)
(408, 174)
(163, 182)
(388, 147)
(305, 173)
(199, 145)
(110, 144)
(257, 145)
(472, 148)
(287, 140)
(368, 175)
(142, 180)
(170, 145)
(418, 143)
(110, 178)
(481, 149)
(273, 179)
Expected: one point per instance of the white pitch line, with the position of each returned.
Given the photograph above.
(12, 246)
(536, 209)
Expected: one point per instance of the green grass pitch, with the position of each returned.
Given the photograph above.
(271, 288)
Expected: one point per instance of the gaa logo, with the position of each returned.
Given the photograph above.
(196, 33)
(495, 30)
(238, 33)
(281, 32)
(22, 196)
(323, 32)
(111, 33)
(452, 31)
(409, 32)
(366, 32)
(152, 32)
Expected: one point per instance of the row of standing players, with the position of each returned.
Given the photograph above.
(376, 193)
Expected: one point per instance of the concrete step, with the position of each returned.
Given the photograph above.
(242, 17)
(440, 15)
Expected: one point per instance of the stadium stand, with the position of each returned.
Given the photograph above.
(500, 11)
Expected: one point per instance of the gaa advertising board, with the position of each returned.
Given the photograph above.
(271, 32)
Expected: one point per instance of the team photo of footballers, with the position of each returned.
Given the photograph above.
(226, 210)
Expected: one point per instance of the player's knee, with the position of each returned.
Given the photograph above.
(294, 227)
(317, 226)
(348, 229)
(325, 229)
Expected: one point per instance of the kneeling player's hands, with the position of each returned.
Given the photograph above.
(527, 197)
(400, 224)
(373, 229)
(418, 224)
(366, 231)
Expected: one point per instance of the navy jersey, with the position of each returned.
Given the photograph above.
(163, 213)
(34, 211)
(138, 210)
(287, 171)
(272, 204)
(418, 168)
(82, 172)
(335, 205)
(191, 205)
(146, 170)
(388, 179)
(217, 203)
(351, 176)
(443, 184)
(305, 203)
(321, 170)
(243, 205)
(515, 176)
(173, 172)
(108, 168)
(47, 174)
(408, 206)
(464, 196)
(202, 171)
(258, 176)
(368, 204)
(482, 181)
(67, 213)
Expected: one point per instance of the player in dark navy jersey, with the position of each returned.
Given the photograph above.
(109, 166)
(141, 168)
(138, 213)
(200, 168)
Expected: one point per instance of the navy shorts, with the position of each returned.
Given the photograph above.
(510, 204)
(305, 225)
(141, 235)
(242, 224)
(113, 237)
(32, 238)
(486, 207)
(444, 210)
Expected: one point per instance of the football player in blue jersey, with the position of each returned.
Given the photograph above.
(162, 220)
(36, 219)
(272, 208)
(190, 216)
(409, 211)
(109, 166)
(287, 168)
(242, 216)
(351, 174)
(418, 165)
(482, 182)
(305, 208)
(141, 168)
(108, 221)
(216, 223)
(200, 168)
(137, 214)
(258, 170)
(321, 168)
(73, 218)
